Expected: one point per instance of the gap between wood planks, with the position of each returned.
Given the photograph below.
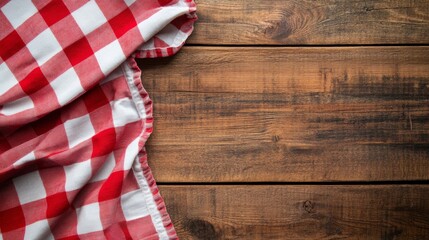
(306, 45)
(404, 182)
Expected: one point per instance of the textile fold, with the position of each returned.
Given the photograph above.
(75, 117)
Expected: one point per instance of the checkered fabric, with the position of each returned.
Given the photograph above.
(74, 117)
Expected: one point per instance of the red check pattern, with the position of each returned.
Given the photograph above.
(74, 117)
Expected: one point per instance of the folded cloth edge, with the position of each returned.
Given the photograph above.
(141, 169)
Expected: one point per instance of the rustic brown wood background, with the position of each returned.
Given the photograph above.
(296, 119)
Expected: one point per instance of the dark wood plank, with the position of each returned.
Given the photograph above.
(290, 114)
(299, 212)
(299, 22)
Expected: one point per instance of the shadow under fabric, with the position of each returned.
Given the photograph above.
(74, 117)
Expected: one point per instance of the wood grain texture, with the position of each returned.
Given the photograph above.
(302, 22)
(299, 212)
(290, 114)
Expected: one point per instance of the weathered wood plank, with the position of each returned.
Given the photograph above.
(299, 22)
(290, 114)
(299, 212)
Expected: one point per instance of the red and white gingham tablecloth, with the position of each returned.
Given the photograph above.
(74, 117)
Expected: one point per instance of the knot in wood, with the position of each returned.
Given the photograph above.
(201, 229)
(308, 206)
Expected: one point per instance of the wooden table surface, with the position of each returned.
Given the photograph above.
(296, 119)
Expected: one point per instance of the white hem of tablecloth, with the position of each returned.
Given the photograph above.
(141, 169)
